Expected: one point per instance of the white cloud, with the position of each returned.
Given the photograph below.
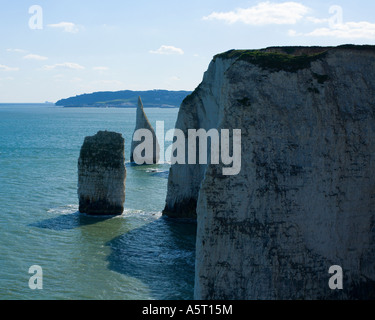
(317, 20)
(58, 76)
(66, 26)
(293, 33)
(100, 68)
(108, 82)
(65, 65)
(35, 57)
(103, 85)
(167, 50)
(17, 50)
(7, 79)
(76, 79)
(348, 30)
(264, 13)
(108, 27)
(6, 68)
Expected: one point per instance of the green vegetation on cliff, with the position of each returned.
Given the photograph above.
(290, 59)
(273, 61)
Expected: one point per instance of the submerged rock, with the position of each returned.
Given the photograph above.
(102, 174)
(304, 199)
(146, 150)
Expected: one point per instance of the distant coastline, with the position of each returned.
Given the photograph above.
(118, 106)
(126, 99)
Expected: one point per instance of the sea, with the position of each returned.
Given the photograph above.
(140, 255)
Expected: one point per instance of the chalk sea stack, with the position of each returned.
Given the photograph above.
(102, 174)
(142, 122)
(304, 199)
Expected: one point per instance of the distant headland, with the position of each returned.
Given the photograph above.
(126, 99)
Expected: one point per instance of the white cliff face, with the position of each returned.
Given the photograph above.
(102, 174)
(140, 145)
(199, 110)
(305, 196)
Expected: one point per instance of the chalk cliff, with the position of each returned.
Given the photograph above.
(304, 199)
(142, 122)
(102, 174)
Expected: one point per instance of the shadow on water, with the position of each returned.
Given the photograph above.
(161, 254)
(69, 221)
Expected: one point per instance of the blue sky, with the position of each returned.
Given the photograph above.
(88, 45)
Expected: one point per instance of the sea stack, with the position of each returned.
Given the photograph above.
(302, 207)
(102, 174)
(144, 149)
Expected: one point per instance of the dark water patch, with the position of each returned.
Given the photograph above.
(69, 221)
(161, 254)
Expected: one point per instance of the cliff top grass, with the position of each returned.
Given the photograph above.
(290, 59)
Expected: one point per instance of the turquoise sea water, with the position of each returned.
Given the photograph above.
(139, 255)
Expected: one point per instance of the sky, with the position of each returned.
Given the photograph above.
(52, 49)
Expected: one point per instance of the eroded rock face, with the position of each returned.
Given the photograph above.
(199, 110)
(102, 174)
(137, 156)
(304, 199)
